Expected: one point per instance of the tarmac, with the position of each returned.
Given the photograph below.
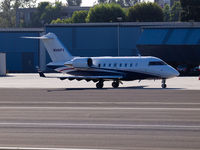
(49, 114)
(34, 81)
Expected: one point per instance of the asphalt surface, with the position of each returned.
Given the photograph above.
(125, 118)
(29, 81)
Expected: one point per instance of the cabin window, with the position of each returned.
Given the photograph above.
(99, 65)
(125, 65)
(131, 65)
(156, 63)
(115, 65)
(109, 65)
(120, 65)
(104, 65)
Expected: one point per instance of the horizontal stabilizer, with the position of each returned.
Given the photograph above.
(40, 38)
(54, 47)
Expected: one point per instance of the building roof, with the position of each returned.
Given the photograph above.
(21, 29)
(140, 24)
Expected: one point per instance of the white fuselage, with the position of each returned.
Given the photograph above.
(132, 67)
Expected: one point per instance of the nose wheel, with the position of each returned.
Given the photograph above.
(164, 85)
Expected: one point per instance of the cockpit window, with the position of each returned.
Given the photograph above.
(156, 63)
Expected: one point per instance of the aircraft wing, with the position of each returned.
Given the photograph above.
(87, 78)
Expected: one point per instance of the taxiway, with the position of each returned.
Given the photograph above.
(137, 117)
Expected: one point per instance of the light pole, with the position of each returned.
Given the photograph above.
(118, 34)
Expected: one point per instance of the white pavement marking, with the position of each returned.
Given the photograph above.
(34, 148)
(120, 103)
(101, 126)
(101, 108)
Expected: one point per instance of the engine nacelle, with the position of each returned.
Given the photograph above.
(82, 62)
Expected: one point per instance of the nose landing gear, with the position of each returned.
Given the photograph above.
(164, 85)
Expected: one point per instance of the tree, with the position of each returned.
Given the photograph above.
(106, 1)
(145, 12)
(173, 1)
(123, 3)
(74, 2)
(79, 16)
(130, 2)
(176, 11)
(106, 13)
(58, 20)
(46, 12)
(7, 14)
(166, 11)
(24, 3)
(191, 10)
(9, 10)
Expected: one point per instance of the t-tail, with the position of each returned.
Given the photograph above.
(55, 48)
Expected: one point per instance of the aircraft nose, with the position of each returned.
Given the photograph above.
(175, 72)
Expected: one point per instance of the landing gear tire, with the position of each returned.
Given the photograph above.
(164, 85)
(115, 84)
(99, 85)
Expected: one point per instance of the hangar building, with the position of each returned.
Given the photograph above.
(98, 39)
(21, 55)
(176, 43)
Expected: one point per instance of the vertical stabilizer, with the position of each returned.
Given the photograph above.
(55, 48)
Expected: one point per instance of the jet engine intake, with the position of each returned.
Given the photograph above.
(82, 62)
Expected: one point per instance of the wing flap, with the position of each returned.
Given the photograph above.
(94, 77)
(87, 78)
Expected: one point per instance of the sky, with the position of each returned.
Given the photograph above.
(88, 2)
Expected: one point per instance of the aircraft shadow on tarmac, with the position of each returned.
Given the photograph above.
(120, 88)
(5, 76)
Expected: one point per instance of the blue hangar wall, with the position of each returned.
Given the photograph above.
(22, 55)
(176, 45)
(102, 39)
(168, 41)
(132, 39)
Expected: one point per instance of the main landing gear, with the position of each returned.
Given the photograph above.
(99, 84)
(115, 84)
(164, 85)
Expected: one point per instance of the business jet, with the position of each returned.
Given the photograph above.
(100, 69)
